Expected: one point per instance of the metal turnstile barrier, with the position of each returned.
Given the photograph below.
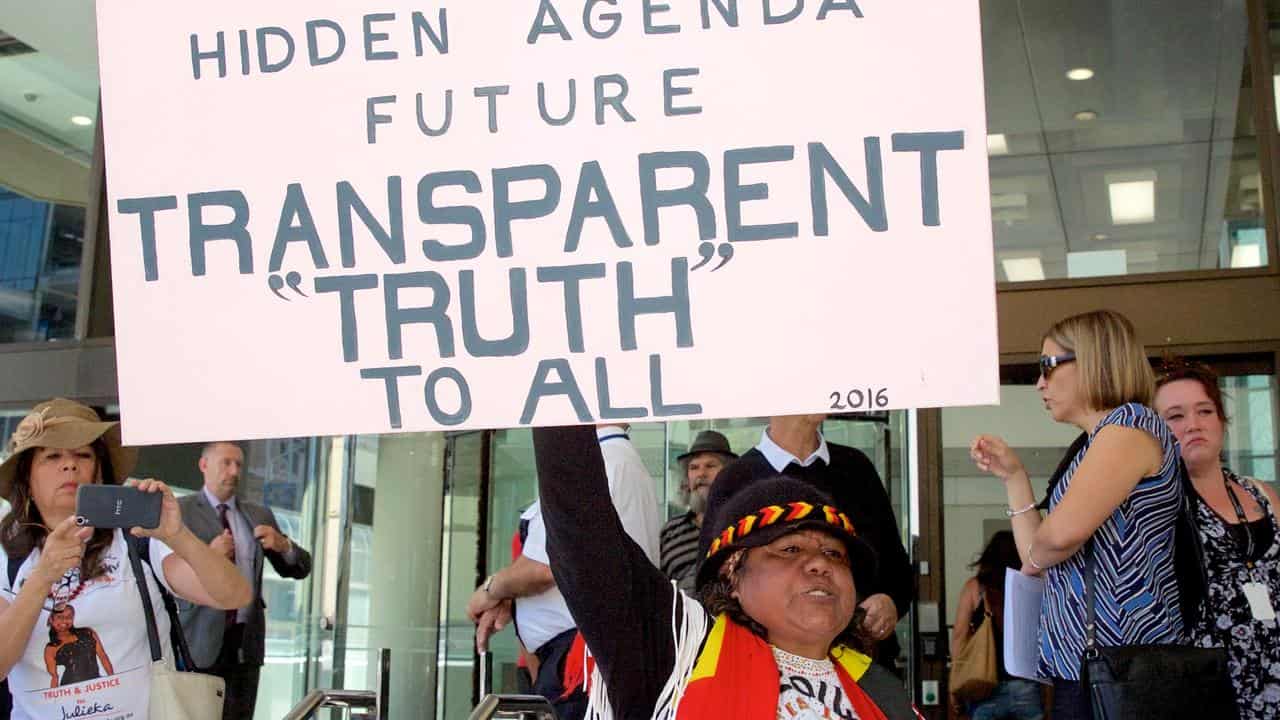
(370, 704)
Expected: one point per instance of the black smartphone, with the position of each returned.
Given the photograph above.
(116, 506)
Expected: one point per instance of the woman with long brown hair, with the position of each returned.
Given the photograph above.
(982, 597)
(57, 448)
(1236, 520)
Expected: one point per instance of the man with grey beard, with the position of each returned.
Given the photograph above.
(679, 541)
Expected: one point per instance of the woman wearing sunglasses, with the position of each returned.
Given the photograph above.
(1118, 499)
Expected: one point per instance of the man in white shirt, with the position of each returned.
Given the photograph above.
(633, 490)
(525, 590)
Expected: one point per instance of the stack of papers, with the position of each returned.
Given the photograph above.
(1023, 595)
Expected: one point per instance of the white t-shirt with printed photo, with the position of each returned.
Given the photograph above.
(97, 663)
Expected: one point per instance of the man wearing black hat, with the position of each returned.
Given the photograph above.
(700, 466)
(793, 446)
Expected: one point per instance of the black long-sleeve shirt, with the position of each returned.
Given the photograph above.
(853, 483)
(623, 605)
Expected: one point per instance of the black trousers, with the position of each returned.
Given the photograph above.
(241, 678)
(550, 681)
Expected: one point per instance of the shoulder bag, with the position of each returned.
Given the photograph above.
(974, 674)
(1169, 682)
(182, 693)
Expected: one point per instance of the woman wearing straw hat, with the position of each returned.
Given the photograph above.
(773, 631)
(58, 447)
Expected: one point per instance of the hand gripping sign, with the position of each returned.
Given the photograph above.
(331, 217)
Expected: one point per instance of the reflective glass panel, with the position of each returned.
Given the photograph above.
(1121, 138)
(282, 474)
(1251, 407)
(48, 111)
(396, 589)
(40, 249)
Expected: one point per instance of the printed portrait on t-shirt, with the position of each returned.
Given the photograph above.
(73, 653)
(88, 654)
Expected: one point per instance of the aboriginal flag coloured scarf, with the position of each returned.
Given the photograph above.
(737, 677)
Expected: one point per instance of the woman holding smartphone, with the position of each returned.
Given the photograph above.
(55, 564)
(1118, 500)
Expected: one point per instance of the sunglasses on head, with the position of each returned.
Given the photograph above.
(1049, 362)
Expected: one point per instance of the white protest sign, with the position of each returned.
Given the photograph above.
(331, 217)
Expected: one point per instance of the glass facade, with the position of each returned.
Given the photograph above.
(48, 110)
(41, 245)
(1122, 138)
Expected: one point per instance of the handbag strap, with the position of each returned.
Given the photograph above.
(15, 564)
(177, 639)
(182, 651)
(139, 576)
(1090, 602)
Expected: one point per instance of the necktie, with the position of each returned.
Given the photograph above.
(226, 525)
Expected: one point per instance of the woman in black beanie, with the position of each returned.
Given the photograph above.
(771, 633)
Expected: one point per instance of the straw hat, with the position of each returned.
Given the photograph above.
(65, 424)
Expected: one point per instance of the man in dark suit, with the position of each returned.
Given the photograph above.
(232, 644)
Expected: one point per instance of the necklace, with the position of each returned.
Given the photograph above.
(789, 664)
(62, 593)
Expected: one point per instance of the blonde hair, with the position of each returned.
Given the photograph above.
(1112, 364)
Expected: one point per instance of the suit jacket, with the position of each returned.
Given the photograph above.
(204, 626)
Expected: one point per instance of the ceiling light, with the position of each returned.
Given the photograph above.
(1008, 200)
(997, 145)
(1249, 195)
(1246, 256)
(1027, 269)
(1133, 197)
(1080, 73)
(81, 120)
(1096, 263)
(1100, 237)
(1086, 115)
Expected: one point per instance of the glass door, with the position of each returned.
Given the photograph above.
(460, 573)
(512, 485)
(385, 519)
(286, 475)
